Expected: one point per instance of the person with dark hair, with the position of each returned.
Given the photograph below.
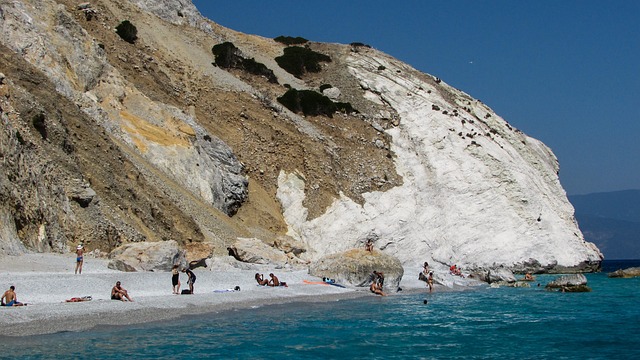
(379, 278)
(9, 298)
(368, 246)
(430, 281)
(175, 279)
(376, 288)
(191, 278)
(119, 293)
(261, 280)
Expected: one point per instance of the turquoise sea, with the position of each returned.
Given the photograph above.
(481, 323)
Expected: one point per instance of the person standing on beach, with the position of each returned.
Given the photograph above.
(79, 259)
(430, 281)
(191, 278)
(175, 279)
(119, 293)
(9, 298)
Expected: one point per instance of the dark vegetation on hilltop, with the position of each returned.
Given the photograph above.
(289, 40)
(228, 56)
(298, 60)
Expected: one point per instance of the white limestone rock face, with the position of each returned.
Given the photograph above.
(476, 192)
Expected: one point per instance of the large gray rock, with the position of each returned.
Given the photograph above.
(147, 256)
(569, 283)
(252, 250)
(625, 273)
(9, 242)
(355, 267)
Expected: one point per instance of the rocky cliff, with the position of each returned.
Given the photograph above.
(109, 140)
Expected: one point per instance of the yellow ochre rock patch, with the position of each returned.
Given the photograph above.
(175, 132)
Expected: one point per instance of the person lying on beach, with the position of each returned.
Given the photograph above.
(376, 288)
(261, 280)
(275, 282)
(79, 299)
(9, 298)
(119, 293)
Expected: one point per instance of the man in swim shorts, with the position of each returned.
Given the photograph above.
(79, 258)
(119, 293)
(9, 298)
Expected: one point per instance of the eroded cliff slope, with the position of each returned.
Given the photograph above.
(106, 141)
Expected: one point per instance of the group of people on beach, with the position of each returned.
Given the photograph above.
(175, 279)
(272, 281)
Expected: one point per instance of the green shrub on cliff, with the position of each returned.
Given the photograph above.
(127, 31)
(228, 56)
(312, 103)
(298, 60)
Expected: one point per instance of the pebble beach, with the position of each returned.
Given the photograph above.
(46, 281)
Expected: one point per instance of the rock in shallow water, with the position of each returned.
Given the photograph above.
(569, 283)
(625, 273)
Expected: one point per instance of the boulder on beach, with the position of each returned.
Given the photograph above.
(625, 273)
(569, 283)
(252, 250)
(147, 256)
(355, 268)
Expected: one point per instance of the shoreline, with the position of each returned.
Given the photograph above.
(45, 281)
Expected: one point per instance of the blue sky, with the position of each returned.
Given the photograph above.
(564, 72)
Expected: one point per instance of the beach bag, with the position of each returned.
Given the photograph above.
(186, 292)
